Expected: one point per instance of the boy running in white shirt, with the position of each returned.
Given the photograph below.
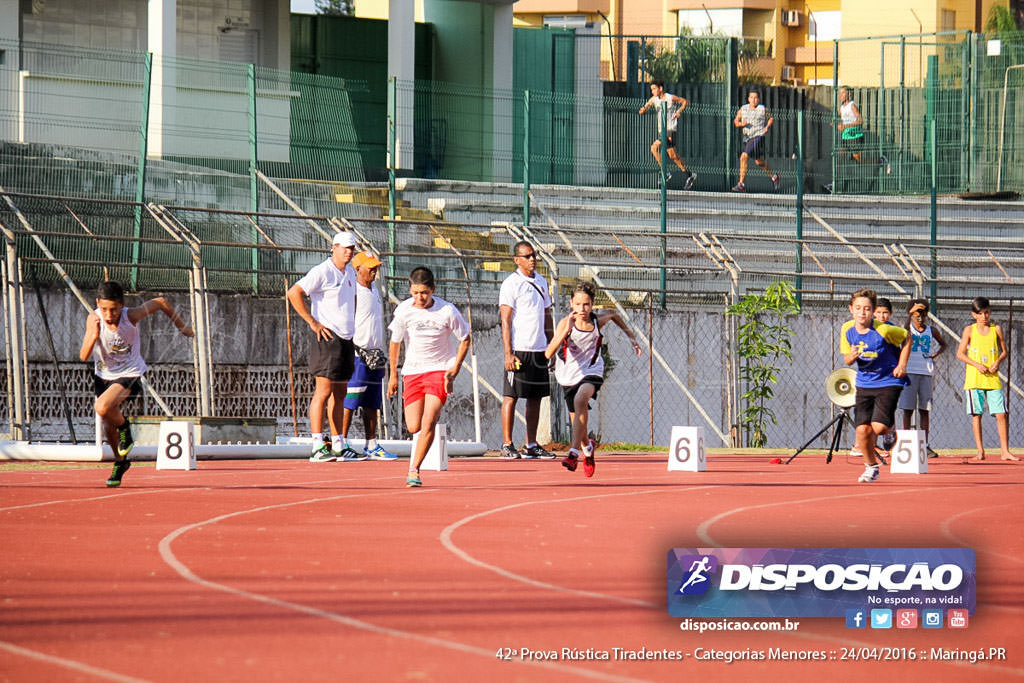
(425, 323)
(112, 340)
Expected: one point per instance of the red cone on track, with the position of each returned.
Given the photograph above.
(776, 461)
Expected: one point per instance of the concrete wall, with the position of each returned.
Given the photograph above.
(250, 357)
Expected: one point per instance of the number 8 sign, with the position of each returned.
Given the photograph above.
(686, 450)
(175, 448)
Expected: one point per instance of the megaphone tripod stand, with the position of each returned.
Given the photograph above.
(843, 417)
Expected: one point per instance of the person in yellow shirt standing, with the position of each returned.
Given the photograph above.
(982, 348)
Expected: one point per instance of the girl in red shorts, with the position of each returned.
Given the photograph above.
(425, 323)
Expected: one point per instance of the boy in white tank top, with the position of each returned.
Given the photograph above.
(579, 368)
(111, 339)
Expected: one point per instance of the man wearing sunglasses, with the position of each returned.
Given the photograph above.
(524, 305)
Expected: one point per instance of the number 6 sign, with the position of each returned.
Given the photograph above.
(686, 450)
(175, 449)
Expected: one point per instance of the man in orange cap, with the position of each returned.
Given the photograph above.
(365, 387)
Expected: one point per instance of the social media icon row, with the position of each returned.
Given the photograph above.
(906, 618)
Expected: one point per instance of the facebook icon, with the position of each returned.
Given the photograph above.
(856, 618)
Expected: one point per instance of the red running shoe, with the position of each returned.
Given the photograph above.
(588, 466)
(570, 461)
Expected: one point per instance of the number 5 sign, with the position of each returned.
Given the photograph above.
(910, 454)
(686, 450)
(175, 449)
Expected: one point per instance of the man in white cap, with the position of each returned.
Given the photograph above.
(330, 314)
(365, 388)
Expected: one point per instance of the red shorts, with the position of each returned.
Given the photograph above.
(418, 386)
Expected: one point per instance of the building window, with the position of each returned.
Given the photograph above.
(948, 20)
(824, 26)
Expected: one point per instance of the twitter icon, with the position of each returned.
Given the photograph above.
(881, 618)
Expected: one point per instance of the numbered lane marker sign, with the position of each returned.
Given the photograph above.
(686, 450)
(175, 449)
(437, 454)
(910, 454)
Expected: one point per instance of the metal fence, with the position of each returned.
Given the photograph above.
(229, 271)
(142, 127)
(219, 184)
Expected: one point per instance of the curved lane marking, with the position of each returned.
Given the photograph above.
(69, 664)
(169, 557)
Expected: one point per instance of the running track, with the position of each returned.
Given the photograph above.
(289, 570)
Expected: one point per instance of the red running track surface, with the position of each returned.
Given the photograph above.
(290, 570)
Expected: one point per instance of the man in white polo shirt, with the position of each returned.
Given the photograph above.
(524, 307)
(330, 314)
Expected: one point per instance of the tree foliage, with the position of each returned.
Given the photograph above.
(763, 340)
(701, 59)
(1001, 19)
(335, 8)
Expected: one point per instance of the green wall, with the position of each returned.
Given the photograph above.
(357, 50)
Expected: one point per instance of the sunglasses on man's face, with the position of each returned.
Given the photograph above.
(530, 255)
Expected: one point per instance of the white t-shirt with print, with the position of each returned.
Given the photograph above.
(427, 334)
(755, 120)
(332, 297)
(529, 300)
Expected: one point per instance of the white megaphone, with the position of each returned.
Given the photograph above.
(840, 387)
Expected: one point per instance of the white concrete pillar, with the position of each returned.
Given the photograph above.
(162, 38)
(9, 82)
(402, 67)
(501, 69)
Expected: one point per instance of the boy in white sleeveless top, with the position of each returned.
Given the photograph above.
(112, 340)
(579, 368)
(925, 344)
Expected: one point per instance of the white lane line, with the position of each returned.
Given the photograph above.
(948, 532)
(69, 664)
(702, 530)
(447, 542)
(169, 557)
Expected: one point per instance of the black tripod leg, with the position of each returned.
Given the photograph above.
(815, 437)
(837, 438)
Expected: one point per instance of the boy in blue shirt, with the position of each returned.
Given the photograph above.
(880, 352)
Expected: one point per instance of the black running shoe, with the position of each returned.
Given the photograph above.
(125, 442)
(120, 467)
(536, 451)
(888, 441)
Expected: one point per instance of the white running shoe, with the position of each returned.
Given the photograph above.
(869, 475)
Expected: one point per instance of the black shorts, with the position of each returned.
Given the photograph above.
(877, 405)
(332, 359)
(753, 148)
(570, 392)
(132, 384)
(531, 379)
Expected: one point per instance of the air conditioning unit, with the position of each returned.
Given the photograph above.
(788, 73)
(791, 17)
